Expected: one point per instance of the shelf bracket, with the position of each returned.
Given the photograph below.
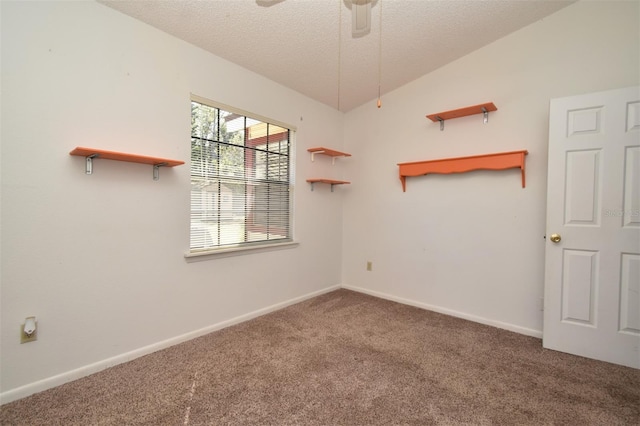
(156, 170)
(485, 114)
(89, 163)
(332, 185)
(441, 123)
(313, 155)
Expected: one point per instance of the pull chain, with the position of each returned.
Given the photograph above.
(380, 56)
(339, 48)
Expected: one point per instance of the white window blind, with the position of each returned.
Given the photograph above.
(240, 169)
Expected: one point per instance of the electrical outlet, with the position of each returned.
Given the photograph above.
(26, 338)
(369, 265)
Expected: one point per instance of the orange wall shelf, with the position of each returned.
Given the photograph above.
(331, 182)
(498, 161)
(463, 112)
(91, 153)
(328, 152)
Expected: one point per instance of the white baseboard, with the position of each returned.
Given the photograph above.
(57, 380)
(441, 310)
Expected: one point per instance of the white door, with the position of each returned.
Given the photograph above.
(592, 269)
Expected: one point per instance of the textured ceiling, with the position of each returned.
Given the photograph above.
(300, 44)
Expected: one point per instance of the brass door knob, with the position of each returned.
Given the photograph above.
(555, 238)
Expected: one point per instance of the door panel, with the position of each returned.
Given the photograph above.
(630, 294)
(579, 286)
(582, 187)
(592, 272)
(631, 212)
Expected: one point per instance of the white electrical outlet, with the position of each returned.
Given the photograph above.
(369, 265)
(29, 330)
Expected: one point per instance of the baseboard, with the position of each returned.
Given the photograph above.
(60, 379)
(441, 310)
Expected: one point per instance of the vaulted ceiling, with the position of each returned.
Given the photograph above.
(308, 45)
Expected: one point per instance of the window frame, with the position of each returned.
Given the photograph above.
(246, 247)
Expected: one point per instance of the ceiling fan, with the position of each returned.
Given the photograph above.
(360, 14)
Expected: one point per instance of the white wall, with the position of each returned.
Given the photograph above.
(472, 244)
(99, 259)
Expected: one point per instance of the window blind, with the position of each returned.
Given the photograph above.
(240, 179)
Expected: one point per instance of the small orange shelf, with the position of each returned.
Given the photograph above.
(328, 152)
(463, 112)
(91, 153)
(498, 161)
(331, 182)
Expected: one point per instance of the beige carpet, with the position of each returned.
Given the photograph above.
(346, 358)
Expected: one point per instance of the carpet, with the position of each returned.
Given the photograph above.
(345, 358)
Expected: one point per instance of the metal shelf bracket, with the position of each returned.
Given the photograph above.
(332, 185)
(88, 167)
(313, 155)
(485, 114)
(156, 170)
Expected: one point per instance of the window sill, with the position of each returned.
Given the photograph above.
(237, 251)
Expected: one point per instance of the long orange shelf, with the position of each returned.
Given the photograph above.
(498, 161)
(91, 153)
(331, 182)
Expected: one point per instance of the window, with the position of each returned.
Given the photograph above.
(240, 169)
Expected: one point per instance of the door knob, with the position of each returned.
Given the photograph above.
(555, 238)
